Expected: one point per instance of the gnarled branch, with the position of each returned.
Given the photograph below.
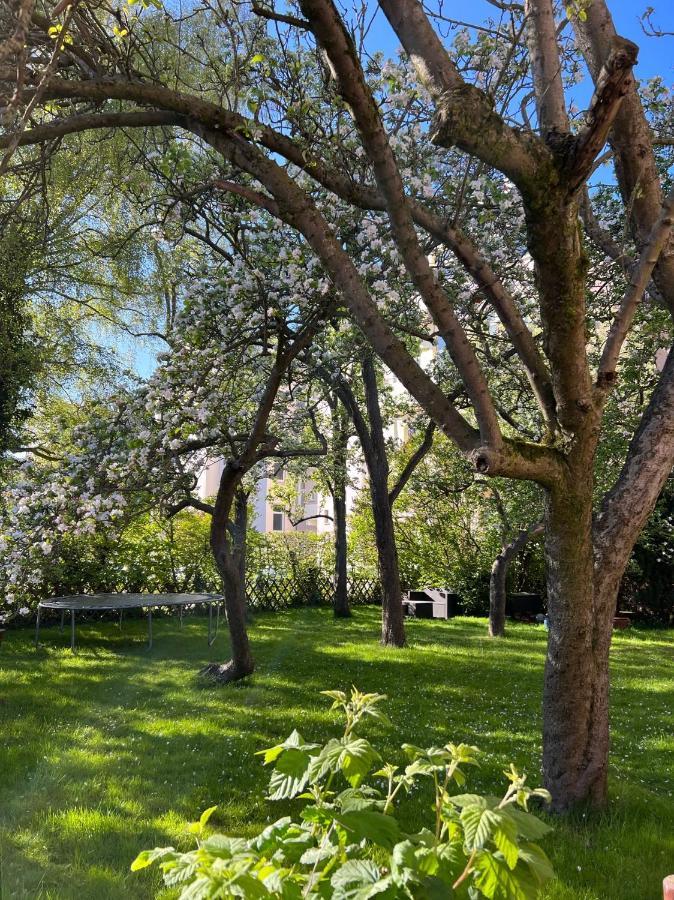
(611, 85)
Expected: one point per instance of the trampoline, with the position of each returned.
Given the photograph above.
(120, 602)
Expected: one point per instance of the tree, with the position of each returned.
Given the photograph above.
(499, 575)
(369, 427)
(289, 158)
(211, 397)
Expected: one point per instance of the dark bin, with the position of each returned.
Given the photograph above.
(523, 604)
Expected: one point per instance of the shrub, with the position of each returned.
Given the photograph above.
(347, 842)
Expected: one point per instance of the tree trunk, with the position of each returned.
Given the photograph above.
(499, 575)
(239, 531)
(340, 440)
(341, 604)
(575, 692)
(392, 623)
(228, 561)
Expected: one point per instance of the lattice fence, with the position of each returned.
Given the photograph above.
(319, 590)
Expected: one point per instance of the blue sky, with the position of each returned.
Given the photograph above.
(656, 55)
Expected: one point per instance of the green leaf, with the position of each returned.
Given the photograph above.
(538, 862)
(354, 757)
(179, 873)
(505, 838)
(197, 890)
(146, 857)
(268, 840)
(528, 826)
(319, 815)
(497, 881)
(294, 741)
(315, 855)
(357, 760)
(198, 827)
(478, 825)
(372, 826)
(473, 800)
(413, 860)
(290, 775)
(359, 879)
(225, 847)
(338, 696)
(257, 59)
(361, 870)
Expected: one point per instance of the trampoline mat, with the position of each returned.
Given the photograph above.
(126, 601)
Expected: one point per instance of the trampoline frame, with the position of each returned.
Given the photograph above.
(120, 602)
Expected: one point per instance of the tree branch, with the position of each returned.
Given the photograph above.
(546, 67)
(190, 502)
(274, 16)
(641, 275)
(412, 463)
(39, 134)
(649, 461)
(632, 143)
(296, 522)
(227, 134)
(601, 237)
(465, 116)
(363, 196)
(299, 211)
(330, 32)
(612, 83)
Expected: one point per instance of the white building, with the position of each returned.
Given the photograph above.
(314, 508)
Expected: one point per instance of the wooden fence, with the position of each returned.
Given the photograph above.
(319, 590)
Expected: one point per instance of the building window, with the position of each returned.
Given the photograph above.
(280, 475)
(277, 520)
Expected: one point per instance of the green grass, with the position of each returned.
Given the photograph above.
(116, 748)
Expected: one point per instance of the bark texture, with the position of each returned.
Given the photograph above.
(575, 691)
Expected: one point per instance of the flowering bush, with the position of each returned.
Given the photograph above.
(151, 554)
(347, 842)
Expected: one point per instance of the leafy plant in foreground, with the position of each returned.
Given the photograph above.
(348, 843)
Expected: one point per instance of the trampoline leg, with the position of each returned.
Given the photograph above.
(212, 637)
(37, 629)
(63, 619)
(72, 630)
(149, 629)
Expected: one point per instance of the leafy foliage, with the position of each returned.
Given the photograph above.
(347, 842)
(19, 352)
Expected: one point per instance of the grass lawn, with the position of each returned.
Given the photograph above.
(117, 748)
